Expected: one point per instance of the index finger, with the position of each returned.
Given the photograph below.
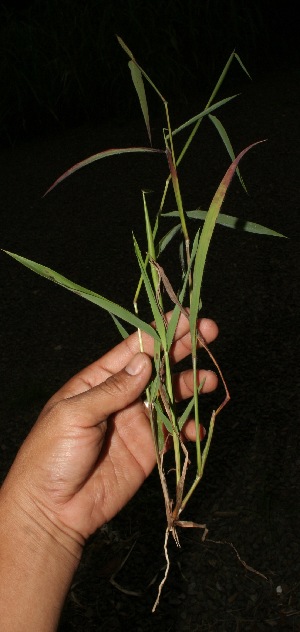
(118, 357)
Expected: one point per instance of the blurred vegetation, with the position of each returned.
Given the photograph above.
(60, 63)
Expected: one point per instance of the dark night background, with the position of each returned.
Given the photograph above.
(60, 63)
(66, 93)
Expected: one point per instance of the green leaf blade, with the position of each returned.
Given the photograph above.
(229, 221)
(125, 47)
(237, 57)
(186, 413)
(206, 235)
(160, 326)
(163, 243)
(176, 311)
(97, 299)
(225, 138)
(122, 331)
(162, 418)
(138, 83)
(202, 114)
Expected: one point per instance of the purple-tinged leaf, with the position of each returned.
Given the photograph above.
(103, 154)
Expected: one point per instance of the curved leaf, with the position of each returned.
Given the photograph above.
(97, 299)
(206, 235)
(103, 154)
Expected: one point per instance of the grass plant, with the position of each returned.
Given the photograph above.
(165, 419)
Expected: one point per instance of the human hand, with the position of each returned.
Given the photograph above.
(92, 447)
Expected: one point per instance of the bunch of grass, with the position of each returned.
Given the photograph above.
(165, 418)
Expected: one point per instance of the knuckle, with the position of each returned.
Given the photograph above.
(113, 386)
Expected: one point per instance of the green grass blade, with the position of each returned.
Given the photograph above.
(185, 415)
(122, 331)
(125, 48)
(176, 312)
(131, 55)
(138, 83)
(206, 235)
(97, 299)
(229, 221)
(177, 193)
(225, 138)
(210, 100)
(208, 440)
(149, 233)
(236, 223)
(176, 214)
(162, 417)
(103, 154)
(237, 57)
(224, 73)
(221, 78)
(153, 388)
(151, 246)
(201, 115)
(160, 326)
(163, 243)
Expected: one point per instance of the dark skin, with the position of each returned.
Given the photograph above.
(88, 453)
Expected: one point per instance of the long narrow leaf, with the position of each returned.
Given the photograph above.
(176, 311)
(160, 326)
(237, 57)
(202, 114)
(125, 47)
(138, 83)
(103, 154)
(224, 72)
(162, 244)
(153, 387)
(229, 221)
(238, 224)
(149, 233)
(162, 417)
(206, 234)
(131, 55)
(97, 299)
(122, 331)
(151, 247)
(210, 100)
(225, 138)
(221, 78)
(185, 415)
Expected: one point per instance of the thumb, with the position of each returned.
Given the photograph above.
(117, 392)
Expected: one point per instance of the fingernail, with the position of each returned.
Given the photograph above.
(135, 365)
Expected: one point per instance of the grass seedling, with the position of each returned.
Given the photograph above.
(164, 417)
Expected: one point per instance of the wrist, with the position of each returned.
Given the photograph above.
(37, 562)
(25, 514)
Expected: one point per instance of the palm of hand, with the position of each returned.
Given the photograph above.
(92, 448)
